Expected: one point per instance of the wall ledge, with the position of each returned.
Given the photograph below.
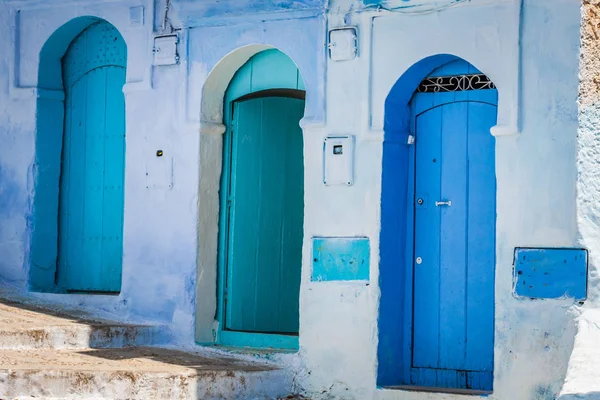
(212, 128)
(504, 130)
(311, 123)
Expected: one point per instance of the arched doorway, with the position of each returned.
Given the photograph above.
(438, 235)
(80, 159)
(262, 205)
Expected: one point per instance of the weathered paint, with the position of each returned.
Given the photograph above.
(581, 377)
(340, 259)
(551, 273)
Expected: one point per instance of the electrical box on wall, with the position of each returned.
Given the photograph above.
(338, 160)
(165, 50)
(159, 171)
(343, 43)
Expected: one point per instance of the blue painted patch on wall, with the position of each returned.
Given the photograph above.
(542, 273)
(340, 259)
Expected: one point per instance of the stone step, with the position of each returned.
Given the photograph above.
(136, 373)
(24, 326)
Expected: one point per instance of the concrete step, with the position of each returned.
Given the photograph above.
(136, 373)
(25, 326)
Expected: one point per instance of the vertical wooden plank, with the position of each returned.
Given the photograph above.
(114, 176)
(76, 187)
(244, 218)
(292, 234)
(481, 238)
(64, 195)
(453, 236)
(271, 215)
(91, 267)
(427, 244)
(479, 380)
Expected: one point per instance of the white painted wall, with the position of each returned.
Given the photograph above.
(170, 234)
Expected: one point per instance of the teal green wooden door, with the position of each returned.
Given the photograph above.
(93, 162)
(266, 213)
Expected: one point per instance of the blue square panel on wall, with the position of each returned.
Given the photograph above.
(550, 273)
(340, 259)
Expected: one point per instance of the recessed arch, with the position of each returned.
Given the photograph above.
(230, 83)
(52, 117)
(408, 114)
(217, 82)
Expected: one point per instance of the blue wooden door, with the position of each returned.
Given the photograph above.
(93, 162)
(266, 213)
(454, 239)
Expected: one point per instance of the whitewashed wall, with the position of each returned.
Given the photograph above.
(169, 242)
(536, 173)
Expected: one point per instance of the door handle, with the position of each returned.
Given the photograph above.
(443, 203)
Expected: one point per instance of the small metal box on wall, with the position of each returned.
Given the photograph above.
(343, 43)
(550, 273)
(338, 160)
(340, 259)
(165, 50)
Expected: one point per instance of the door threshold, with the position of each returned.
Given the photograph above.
(92, 292)
(264, 341)
(466, 392)
(253, 350)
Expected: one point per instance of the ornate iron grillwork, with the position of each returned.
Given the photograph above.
(456, 83)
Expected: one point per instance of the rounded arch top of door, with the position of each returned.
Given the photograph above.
(269, 72)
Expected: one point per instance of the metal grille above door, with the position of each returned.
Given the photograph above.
(456, 83)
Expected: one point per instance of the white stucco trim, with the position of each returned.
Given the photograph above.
(29, 37)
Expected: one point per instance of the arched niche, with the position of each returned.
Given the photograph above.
(395, 240)
(50, 118)
(213, 124)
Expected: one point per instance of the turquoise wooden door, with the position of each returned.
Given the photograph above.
(454, 238)
(265, 217)
(93, 162)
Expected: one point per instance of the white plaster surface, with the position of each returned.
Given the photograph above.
(169, 266)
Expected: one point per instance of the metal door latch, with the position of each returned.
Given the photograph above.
(443, 203)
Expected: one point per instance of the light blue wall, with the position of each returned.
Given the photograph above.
(161, 200)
